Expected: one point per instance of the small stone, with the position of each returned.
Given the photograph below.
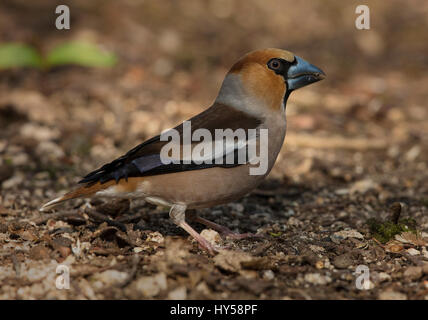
(392, 295)
(363, 186)
(39, 252)
(341, 192)
(316, 249)
(138, 249)
(317, 279)
(211, 235)
(155, 237)
(294, 222)
(151, 286)
(179, 293)
(86, 289)
(50, 150)
(413, 252)
(203, 288)
(345, 234)
(413, 273)
(425, 252)
(383, 277)
(425, 268)
(268, 275)
(239, 207)
(12, 182)
(343, 261)
(231, 261)
(39, 133)
(110, 277)
(27, 235)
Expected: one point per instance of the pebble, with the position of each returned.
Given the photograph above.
(138, 249)
(179, 293)
(425, 268)
(363, 186)
(383, 277)
(110, 277)
(317, 279)
(343, 261)
(345, 234)
(316, 249)
(413, 252)
(39, 133)
(413, 273)
(39, 252)
(50, 150)
(425, 253)
(155, 237)
(151, 286)
(294, 222)
(212, 236)
(231, 261)
(86, 289)
(268, 275)
(392, 295)
(12, 182)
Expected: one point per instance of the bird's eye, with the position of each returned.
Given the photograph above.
(274, 64)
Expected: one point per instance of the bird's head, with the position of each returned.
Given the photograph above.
(270, 76)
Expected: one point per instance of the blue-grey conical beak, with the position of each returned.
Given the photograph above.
(301, 73)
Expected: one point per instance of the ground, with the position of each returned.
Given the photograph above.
(356, 150)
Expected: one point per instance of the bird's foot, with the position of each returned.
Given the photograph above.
(227, 233)
(204, 244)
(224, 231)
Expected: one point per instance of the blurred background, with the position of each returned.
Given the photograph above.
(356, 141)
(166, 61)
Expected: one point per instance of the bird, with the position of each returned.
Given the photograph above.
(253, 96)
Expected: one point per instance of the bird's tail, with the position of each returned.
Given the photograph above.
(86, 190)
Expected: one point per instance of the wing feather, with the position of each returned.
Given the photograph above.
(145, 159)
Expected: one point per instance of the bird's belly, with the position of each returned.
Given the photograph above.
(196, 189)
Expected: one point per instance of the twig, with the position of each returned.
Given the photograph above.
(56, 216)
(16, 265)
(135, 261)
(100, 217)
(396, 211)
(126, 219)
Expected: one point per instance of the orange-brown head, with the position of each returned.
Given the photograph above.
(271, 75)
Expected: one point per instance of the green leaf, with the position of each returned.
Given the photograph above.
(80, 53)
(273, 234)
(18, 55)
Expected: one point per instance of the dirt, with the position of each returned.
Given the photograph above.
(356, 148)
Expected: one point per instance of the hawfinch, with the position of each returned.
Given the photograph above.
(252, 99)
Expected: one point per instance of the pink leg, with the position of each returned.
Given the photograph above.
(221, 229)
(177, 214)
(203, 243)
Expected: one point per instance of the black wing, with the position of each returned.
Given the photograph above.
(145, 159)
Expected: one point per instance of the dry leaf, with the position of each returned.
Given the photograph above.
(393, 246)
(410, 237)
